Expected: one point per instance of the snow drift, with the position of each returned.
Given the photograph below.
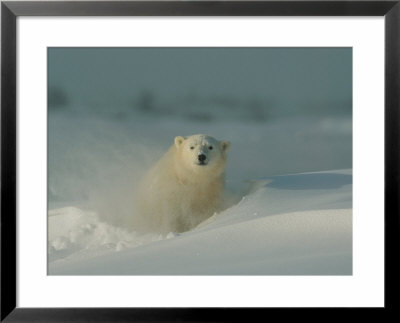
(299, 224)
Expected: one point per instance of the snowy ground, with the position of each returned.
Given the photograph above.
(298, 223)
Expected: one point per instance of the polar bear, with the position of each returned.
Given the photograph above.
(185, 187)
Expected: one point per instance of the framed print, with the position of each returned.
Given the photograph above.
(198, 160)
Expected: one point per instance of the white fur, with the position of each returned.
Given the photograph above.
(178, 192)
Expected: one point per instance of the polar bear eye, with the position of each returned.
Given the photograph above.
(211, 147)
(191, 147)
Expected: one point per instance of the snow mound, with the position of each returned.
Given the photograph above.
(298, 224)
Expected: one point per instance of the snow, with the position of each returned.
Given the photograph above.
(88, 151)
(298, 224)
(289, 169)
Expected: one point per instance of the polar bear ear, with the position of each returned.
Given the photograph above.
(225, 145)
(178, 141)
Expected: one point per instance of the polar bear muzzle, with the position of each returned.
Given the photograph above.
(202, 159)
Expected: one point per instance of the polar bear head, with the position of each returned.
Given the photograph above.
(201, 154)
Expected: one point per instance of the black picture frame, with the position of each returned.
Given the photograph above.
(10, 11)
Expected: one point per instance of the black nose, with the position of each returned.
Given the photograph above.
(202, 157)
